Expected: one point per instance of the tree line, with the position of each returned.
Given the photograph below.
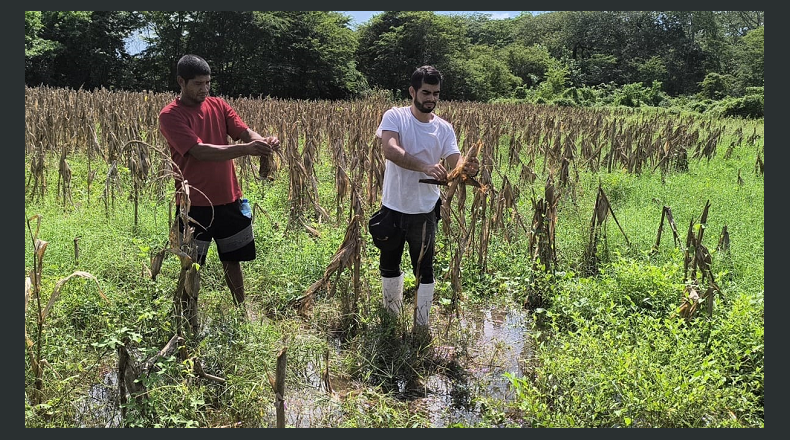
(318, 55)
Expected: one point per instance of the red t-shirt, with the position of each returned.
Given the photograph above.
(211, 123)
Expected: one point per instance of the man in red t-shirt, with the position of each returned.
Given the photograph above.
(197, 128)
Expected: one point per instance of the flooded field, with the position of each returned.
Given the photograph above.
(483, 345)
(493, 341)
(499, 345)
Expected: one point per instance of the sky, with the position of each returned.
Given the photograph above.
(359, 17)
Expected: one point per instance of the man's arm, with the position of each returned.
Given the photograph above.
(254, 145)
(452, 160)
(390, 145)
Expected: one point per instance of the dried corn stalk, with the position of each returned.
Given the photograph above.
(666, 212)
(600, 213)
(64, 179)
(697, 257)
(346, 256)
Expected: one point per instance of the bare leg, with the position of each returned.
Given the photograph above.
(234, 279)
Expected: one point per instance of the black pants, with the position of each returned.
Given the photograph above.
(420, 234)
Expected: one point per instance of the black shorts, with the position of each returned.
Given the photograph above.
(230, 229)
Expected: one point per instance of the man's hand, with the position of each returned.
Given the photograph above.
(471, 167)
(436, 171)
(264, 146)
(274, 142)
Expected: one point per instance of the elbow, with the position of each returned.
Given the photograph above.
(389, 152)
(199, 152)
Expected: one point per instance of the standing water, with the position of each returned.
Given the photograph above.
(498, 344)
(485, 344)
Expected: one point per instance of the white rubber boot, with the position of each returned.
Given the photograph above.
(424, 301)
(392, 294)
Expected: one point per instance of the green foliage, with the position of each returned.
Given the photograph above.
(35, 46)
(318, 55)
(655, 95)
(583, 96)
(750, 56)
(755, 91)
(630, 95)
(651, 70)
(485, 30)
(637, 371)
(635, 95)
(715, 86)
(482, 76)
(701, 106)
(738, 339)
(530, 63)
(84, 49)
(599, 68)
(564, 102)
(555, 83)
(394, 43)
(749, 106)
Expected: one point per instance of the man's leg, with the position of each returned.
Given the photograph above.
(235, 280)
(235, 243)
(392, 294)
(391, 276)
(421, 237)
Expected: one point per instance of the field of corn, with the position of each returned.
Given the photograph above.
(633, 238)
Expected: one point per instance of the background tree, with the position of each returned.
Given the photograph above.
(165, 44)
(314, 57)
(92, 50)
(395, 43)
(286, 54)
(739, 23)
(750, 59)
(480, 75)
(482, 29)
(316, 54)
(528, 63)
(40, 53)
(684, 57)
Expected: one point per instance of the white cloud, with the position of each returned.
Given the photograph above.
(500, 15)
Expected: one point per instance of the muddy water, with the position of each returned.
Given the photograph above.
(100, 408)
(497, 344)
(486, 343)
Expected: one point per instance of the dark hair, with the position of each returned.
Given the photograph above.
(190, 66)
(427, 74)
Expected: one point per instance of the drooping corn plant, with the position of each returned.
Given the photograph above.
(139, 162)
(34, 345)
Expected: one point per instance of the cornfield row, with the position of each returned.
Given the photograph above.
(115, 129)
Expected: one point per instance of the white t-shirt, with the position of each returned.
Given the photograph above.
(428, 141)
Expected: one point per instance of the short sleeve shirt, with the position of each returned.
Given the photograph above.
(213, 122)
(429, 141)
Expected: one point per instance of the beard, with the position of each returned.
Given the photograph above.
(422, 108)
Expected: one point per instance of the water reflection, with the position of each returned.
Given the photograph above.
(100, 407)
(497, 344)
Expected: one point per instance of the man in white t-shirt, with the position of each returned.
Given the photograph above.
(414, 142)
